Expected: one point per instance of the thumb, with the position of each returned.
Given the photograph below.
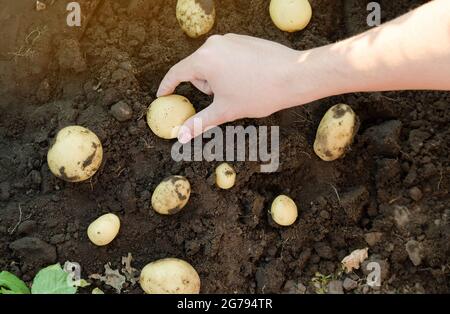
(203, 121)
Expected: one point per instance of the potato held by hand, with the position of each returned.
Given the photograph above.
(167, 114)
(336, 132)
(292, 15)
(104, 229)
(196, 17)
(171, 195)
(170, 276)
(76, 154)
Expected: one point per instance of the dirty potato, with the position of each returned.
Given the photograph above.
(284, 211)
(167, 114)
(196, 17)
(336, 132)
(292, 15)
(171, 195)
(75, 155)
(225, 176)
(170, 276)
(104, 229)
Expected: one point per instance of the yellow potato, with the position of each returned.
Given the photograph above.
(75, 155)
(290, 15)
(171, 195)
(225, 176)
(336, 132)
(167, 114)
(170, 276)
(196, 17)
(104, 229)
(284, 211)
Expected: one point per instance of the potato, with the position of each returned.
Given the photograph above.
(166, 114)
(75, 155)
(336, 132)
(170, 276)
(284, 211)
(104, 229)
(171, 195)
(290, 16)
(225, 176)
(196, 17)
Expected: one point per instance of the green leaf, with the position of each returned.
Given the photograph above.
(10, 284)
(53, 280)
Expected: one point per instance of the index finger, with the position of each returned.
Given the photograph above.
(181, 72)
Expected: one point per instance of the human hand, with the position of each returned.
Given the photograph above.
(249, 78)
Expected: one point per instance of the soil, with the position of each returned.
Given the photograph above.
(389, 193)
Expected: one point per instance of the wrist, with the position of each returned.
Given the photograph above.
(318, 73)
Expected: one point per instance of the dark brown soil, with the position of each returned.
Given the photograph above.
(391, 188)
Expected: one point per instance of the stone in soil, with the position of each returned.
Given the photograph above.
(335, 287)
(293, 287)
(27, 227)
(414, 250)
(34, 251)
(349, 284)
(416, 194)
(5, 188)
(122, 111)
(384, 139)
(372, 238)
(354, 201)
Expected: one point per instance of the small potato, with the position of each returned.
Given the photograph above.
(171, 195)
(196, 17)
(166, 114)
(336, 132)
(170, 276)
(290, 15)
(104, 229)
(284, 211)
(75, 155)
(225, 176)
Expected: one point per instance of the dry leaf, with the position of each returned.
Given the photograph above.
(112, 278)
(128, 271)
(355, 259)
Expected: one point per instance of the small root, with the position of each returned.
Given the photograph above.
(336, 191)
(12, 230)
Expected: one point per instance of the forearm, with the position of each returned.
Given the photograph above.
(409, 53)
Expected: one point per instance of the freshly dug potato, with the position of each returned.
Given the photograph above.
(171, 195)
(196, 17)
(284, 211)
(170, 276)
(290, 15)
(75, 155)
(166, 114)
(225, 176)
(104, 229)
(336, 132)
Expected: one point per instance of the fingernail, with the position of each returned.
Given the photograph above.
(184, 136)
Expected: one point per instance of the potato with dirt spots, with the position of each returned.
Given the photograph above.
(170, 276)
(284, 211)
(290, 15)
(225, 176)
(196, 17)
(167, 114)
(104, 229)
(171, 195)
(75, 155)
(336, 132)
